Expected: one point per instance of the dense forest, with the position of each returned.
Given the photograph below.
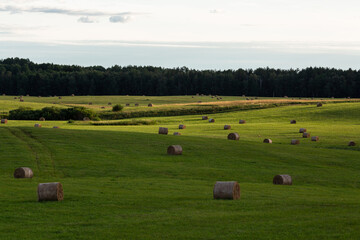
(21, 76)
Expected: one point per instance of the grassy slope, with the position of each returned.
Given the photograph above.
(119, 183)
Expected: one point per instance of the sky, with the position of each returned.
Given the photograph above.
(200, 34)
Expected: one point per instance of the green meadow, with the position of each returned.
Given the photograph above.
(119, 182)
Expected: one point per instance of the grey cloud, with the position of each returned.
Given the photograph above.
(114, 16)
(85, 20)
(119, 19)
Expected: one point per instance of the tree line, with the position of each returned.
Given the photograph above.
(21, 77)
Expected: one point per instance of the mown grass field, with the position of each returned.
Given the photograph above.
(119, 183)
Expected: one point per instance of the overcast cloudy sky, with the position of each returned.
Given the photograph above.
(198, 33)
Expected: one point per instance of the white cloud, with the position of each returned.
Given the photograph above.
(216, 11)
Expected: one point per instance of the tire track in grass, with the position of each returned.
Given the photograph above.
(42, 154)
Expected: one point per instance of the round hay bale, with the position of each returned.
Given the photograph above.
(55, 127)
(233, 136)
(302, 130)
(136, 104)
(128, 104)
(247, 99)
(267, 140)
(39, 96)
(4, 94)
(295, 142)
(315, 138)
(163, 130)
(102, 107)
(181, 126)
(306, 135)
(285, 96)
(21, 100)
(282, 180)
(86, 119)
(319, 104)
(204, 117)
(177, 133)
(4, 121)
(351, 143)
(90, 103)
(226, 190)
(174, 150)
(199, 102)
(242, 121)
(192, 96)
(60, 97)
(37, 125)
(293, 122)
(109, 103)
(23, 172)
(227, 127)
(150, 105)
(211, 120)
(73, 95)
(50, 192)
(15, 97)
(42, 119)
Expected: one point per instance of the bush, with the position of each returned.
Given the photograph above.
(52, 113)
(117, 108)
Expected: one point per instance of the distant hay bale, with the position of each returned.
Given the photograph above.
(177, 133)
(38, 125)
(27, 95)
(136, 104)
(351, 143)
(163, 130)
(243, 95)
(285, 96)
(295, 142)
(293, 122)
(204, 117)
(23, 172)
(242, 122)
(199, 102)
(233, 136)
(55, 127)
(302, 130)
(227, 127)
(182, 126)
(247, 99)
(319, 104)
(73, 95)
(39, 96)
(42, 119)
(50, 192)
(90, 103)
(4, 94)
(174, 150)
(282, 180)
(226, 190)
(315, 138)
(211, 120)
(102, 107)
(86, 119)
(192, 96)
(109, 103)
(127, 105)
(197, 94)
(267, 140)
(150, 105)
(15, 97)
(221, 98)
(212, 97)
(60, 97)
(306, 135)
(21, 100)
(4, 121)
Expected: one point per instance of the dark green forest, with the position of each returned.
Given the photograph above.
(21, 76)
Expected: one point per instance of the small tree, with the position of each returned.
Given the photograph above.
(117, 108)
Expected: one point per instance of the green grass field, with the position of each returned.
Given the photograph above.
(119, 183)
